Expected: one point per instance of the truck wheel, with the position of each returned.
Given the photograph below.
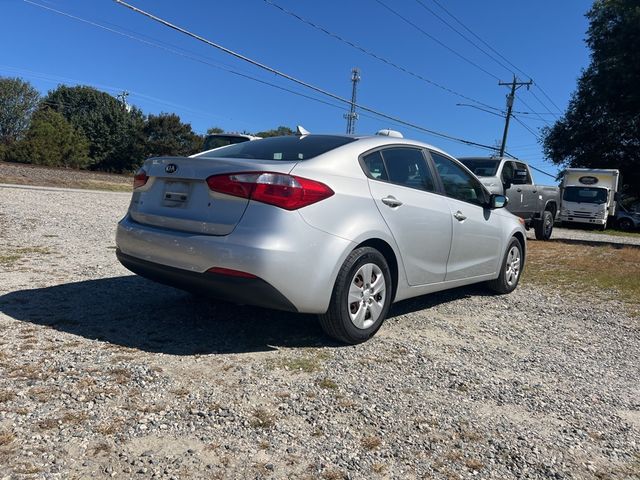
(511, 269)
(625, 224)
(360, 299)
(544, 226)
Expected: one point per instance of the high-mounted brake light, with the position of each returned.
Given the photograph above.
(279, 189)
(140, 178)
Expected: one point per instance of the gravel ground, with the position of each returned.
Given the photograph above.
(104, 374)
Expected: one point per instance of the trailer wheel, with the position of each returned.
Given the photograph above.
(544, 226)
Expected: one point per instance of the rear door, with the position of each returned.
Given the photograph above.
(402, 185)
(477, 231)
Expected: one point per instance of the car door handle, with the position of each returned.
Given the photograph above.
(459, 216)
(391, 201)
(519, 190)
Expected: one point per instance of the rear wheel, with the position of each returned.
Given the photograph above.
(511, 269)
(544, 226)
(360, 299)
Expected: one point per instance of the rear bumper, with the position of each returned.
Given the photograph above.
(298, 262)
(253, 291)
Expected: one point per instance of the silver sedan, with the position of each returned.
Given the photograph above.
(339, 226)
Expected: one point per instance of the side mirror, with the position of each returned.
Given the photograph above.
(498, 201)
(507, 184)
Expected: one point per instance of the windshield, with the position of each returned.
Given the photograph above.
(585, 195)
(216, 141)
(289, 148)
(482, 167)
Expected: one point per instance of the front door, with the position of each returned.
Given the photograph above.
(477, 232)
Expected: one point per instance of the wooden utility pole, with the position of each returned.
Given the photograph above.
(514, 84)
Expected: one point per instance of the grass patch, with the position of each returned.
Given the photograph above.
(262, 418)
(309, 362)
(588, 268)
(327, 384)
(9, 258)
(6, 395)
(618, 233)
(371, 442)
(6, 437)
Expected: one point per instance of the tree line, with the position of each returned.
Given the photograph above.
(82, 127)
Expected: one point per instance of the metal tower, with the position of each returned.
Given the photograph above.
(352, 116)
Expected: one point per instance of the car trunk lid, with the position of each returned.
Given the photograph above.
(176, 195)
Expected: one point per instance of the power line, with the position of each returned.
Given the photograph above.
(494, 51)
(428, 35)
(296, 80)
(526, 127)
(179, 53)
(492, 57)
(536, 114)
(369, 52)
(543, 104)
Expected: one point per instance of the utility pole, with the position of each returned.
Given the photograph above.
(352, 116)
(514, 84)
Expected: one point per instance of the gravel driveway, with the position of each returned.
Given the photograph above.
(105, 374)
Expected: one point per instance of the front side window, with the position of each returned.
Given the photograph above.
(457, 182)
(523, 179)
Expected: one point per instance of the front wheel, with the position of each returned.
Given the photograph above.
(544, 226)
(360, 299)
(511, 269)
(625, 224)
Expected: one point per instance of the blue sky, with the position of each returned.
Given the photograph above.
(544, 39)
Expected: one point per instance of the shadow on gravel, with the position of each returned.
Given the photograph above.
(136, 313)
(133, 312)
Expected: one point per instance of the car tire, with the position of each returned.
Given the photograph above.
(359, 304)
(625, 224)
(544, 226)
(510, 270)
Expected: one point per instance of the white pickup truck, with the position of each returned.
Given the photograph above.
(536, 204)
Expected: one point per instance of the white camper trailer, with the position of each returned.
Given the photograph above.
(589, 196)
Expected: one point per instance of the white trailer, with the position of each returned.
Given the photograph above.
(589, 196)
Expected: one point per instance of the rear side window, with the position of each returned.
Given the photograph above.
(457, 182)
(287, 149)
(402, 166)
(375, 166)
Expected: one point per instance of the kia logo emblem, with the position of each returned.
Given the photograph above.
(171, 168)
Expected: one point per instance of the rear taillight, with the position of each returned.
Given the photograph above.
(284, 191)
(140, 178)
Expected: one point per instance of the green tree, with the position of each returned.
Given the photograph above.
(165, 134)
(18, 101)
(281, 130)
(114, 132)
(214, 130)
(51, 140)
(601, 127)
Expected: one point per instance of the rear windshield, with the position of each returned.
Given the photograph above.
(287, 149)
(585, 194)
(217, 141)
(482, 167)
